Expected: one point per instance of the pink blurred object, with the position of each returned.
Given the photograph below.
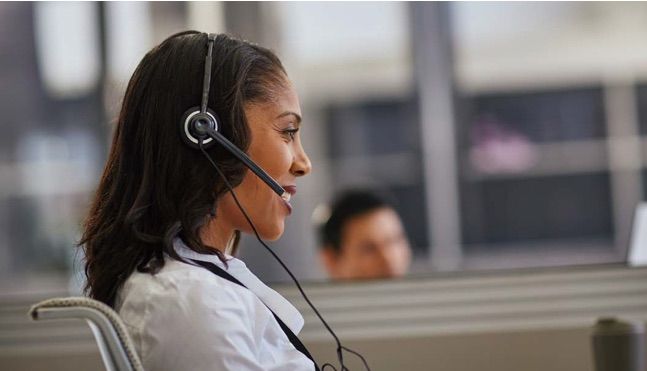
(498, 149)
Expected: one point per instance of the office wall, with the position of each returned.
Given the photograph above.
(523, 320)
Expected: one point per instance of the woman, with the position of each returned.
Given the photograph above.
(163, 221)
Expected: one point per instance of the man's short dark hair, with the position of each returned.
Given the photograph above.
(346, 206)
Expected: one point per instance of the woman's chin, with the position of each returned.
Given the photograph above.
(272, 233)
(272, 237)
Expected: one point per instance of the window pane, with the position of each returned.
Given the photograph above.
(504, 211)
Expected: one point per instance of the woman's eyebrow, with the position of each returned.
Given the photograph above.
(297, 117)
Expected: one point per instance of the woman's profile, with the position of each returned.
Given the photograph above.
(163, 225)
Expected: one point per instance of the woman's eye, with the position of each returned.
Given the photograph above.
(291, 133)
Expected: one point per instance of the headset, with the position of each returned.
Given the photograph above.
(202, 124)
(199, 128)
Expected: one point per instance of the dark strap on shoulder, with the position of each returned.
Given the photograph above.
(291, 335)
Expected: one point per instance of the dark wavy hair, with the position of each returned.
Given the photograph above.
(154, 187)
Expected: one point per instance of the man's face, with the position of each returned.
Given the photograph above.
(373, 245)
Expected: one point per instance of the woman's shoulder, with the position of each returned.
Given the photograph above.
(180, 286)
(188, 306)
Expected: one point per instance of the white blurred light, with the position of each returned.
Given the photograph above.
(339, 32)
(206, 16)
(67, 42)
(638, 249)
(55, 164)
(129, 37)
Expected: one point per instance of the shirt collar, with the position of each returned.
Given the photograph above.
(237, 268)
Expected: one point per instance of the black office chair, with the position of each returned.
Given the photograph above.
(116, 347)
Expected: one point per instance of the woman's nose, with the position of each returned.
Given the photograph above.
(301, 165)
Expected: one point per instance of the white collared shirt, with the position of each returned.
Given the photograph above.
(187, 318)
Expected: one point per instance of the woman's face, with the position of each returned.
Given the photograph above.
(276, 147)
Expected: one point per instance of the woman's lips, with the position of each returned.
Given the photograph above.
(289, 207)
(291, 190)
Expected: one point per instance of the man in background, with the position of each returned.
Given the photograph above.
(363, 238)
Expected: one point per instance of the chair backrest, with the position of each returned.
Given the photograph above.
(116, 347)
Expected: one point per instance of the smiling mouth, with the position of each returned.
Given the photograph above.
(286, 196)
(290, 190)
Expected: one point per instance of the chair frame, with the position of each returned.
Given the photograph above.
(112, 348)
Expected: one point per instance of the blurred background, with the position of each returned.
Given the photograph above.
(513, 135)
(506, 144)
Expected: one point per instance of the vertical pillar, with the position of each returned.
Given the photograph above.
(625, 160)
(431, 37)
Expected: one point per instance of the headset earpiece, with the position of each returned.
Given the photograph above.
(194, 124)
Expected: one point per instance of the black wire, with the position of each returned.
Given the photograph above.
(340, 356)
(358, 355)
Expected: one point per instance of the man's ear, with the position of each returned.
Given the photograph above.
(329, 259)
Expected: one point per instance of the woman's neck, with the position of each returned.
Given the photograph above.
(217, 234)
